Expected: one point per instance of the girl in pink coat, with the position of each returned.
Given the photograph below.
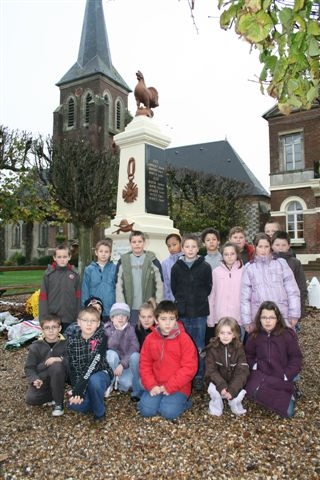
(268, 278)
(224, 299)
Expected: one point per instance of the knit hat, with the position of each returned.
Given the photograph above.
(119, 309)
(91, 301)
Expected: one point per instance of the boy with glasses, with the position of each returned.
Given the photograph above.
(90, 373)
(45, 366)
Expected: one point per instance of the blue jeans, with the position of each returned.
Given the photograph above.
(94, 397)
(196, 328)
(130, 376)
(168, 406)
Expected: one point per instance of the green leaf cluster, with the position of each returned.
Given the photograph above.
(287, 36)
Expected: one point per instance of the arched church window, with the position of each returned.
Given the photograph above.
(43, 234)
(87, 108)
(118, 115)
(16, 236)
(294, 217)
(71, 112)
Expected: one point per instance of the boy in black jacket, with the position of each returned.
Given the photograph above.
(90, 373)
(191, 283)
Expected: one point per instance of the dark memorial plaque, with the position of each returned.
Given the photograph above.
(156, 181)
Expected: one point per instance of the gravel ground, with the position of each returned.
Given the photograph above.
(259, 445)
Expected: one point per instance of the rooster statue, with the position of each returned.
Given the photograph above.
(147, 96)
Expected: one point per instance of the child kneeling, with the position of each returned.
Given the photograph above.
(45, 366)
(90, 373)
(168, 364)
(227, 369)
(123, 351)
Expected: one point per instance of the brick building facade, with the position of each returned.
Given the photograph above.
(295, 177)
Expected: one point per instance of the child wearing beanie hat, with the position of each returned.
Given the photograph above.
(123, 351)
(119, 309)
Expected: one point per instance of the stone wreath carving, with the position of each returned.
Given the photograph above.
(130, 191)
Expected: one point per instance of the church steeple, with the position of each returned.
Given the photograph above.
(94, 53)
(93, 96)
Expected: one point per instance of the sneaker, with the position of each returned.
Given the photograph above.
(296, 391)
(108, 391)
(97, 420)
(57, 411)
(49, 404)
(134, 399)
(198, 384)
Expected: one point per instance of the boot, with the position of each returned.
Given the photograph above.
(216, 402)
(236, 404)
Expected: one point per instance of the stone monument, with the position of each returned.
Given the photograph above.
(142, 186)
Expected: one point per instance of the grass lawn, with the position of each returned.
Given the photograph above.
(31, 277)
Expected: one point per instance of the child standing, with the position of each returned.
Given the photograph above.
(60, 289)
(99, 278)
(280, 244)
(90, 374)
(268, 278)
(45, 366)
(237, 235)
(210, 237)
(123, 350)
(173, 242)
(274, 359)
(227, 369)
(139, 276)
(191, 282)
(146, 321)
(224, 299)
(271, 226)
(168, 363)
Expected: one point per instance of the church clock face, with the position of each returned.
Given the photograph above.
(78, 92)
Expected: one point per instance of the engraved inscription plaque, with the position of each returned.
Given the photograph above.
(156, 181)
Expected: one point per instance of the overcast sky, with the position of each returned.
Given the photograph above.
(206, 80)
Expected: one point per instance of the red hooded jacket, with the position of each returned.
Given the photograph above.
(170, 361)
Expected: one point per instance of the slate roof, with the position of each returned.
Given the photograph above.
(216, 158)
(94, 53)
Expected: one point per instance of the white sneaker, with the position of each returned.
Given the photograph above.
(57, 411)
(49, 404)
(108, 391)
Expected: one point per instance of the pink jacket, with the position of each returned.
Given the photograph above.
(268, 278)
(224, 299)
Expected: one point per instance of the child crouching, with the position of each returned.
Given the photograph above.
(45, 366)
(123, 351)
(90, 373)
(227, 369)
(168, 363)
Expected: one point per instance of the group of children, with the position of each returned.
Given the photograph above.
(226, 319)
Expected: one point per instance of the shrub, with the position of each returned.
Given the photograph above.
(45, 260)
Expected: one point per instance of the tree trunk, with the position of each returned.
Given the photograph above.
(2, 246)
(28, 241)
(85, 247)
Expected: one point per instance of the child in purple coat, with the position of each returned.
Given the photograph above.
(123, 351)
(275, 359)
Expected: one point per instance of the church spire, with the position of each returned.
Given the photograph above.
(94, 53)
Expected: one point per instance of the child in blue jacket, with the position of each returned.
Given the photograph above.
(99, 278)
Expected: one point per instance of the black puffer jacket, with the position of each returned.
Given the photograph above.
(191, 287)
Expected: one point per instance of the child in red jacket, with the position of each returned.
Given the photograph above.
(168, 363)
